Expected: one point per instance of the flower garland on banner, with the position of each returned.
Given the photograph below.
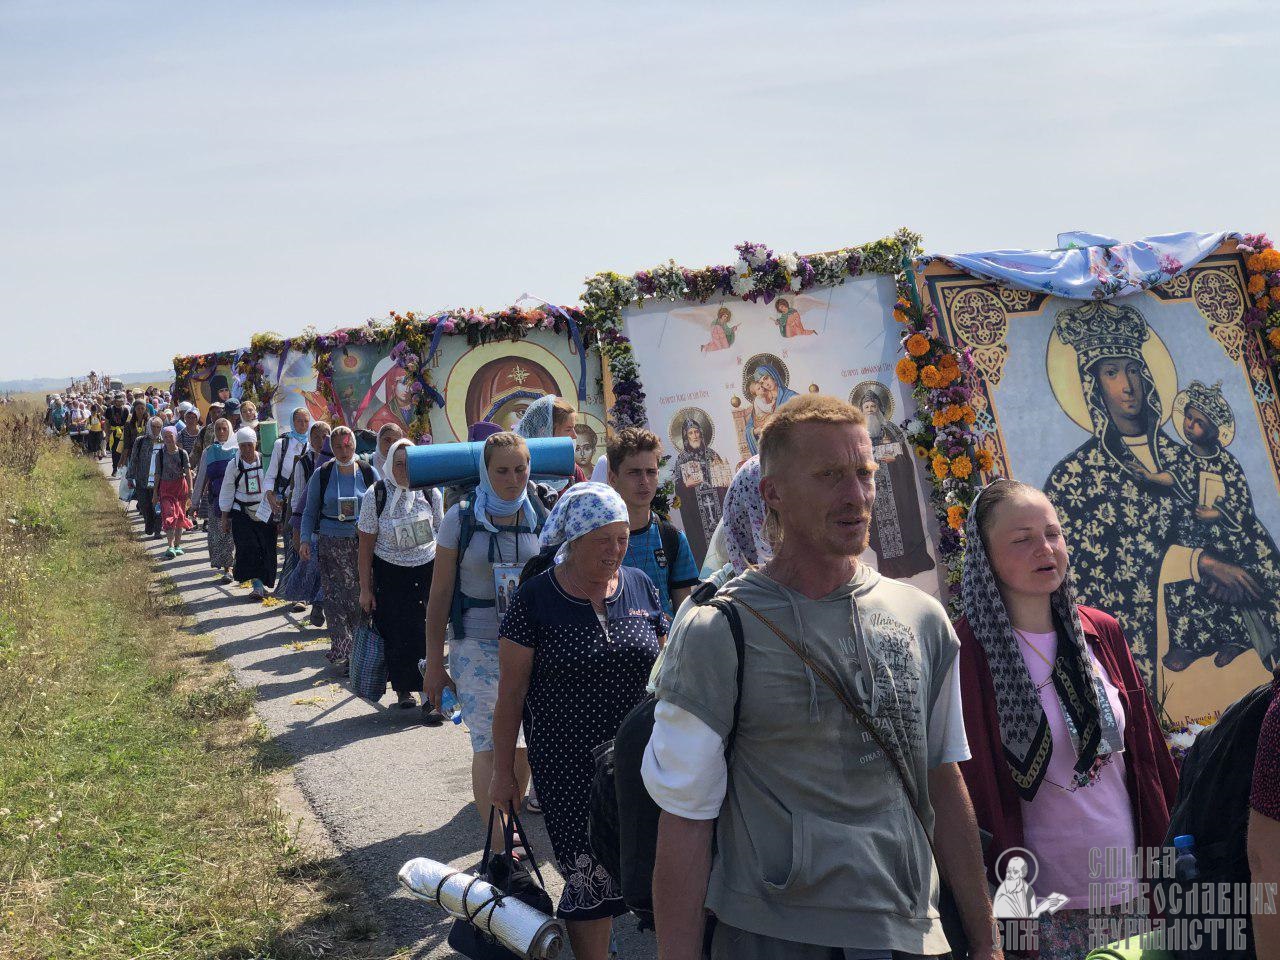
(943, 430)
(1262, 260)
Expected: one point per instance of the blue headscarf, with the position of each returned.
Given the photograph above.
(488, 502)
(538, 419)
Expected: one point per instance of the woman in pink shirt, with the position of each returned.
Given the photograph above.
(1069, 764)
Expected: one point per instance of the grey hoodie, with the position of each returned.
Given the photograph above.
(816, 840)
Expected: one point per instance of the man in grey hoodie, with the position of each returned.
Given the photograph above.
(821, 849)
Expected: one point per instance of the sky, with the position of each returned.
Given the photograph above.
(175, 176)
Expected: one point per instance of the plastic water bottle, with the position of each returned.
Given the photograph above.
(1184, 865)
(449, 705)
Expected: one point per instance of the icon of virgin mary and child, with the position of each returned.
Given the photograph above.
(1164, 535)
(765, 382)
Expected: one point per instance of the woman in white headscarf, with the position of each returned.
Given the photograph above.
(242, 490)
(577, 645)
(397, 556)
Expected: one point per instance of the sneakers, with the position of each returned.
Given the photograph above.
(178, 551)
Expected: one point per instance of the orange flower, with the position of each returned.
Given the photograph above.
(1262, 303)
(900, 312)
(1257, 283)
(968, 414)
(961, 467)
(941, 467)
(985, 460)
(1254, 263)
(1269, 260)
(955, 517)
(1273, 338)
(908, 372)
(917, 345)
(930, 377)
(939, 418)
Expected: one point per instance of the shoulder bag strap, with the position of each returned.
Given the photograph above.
(670, 539)
(855, 711)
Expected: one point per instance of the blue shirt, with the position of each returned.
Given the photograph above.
(645, 552)
(321, 518)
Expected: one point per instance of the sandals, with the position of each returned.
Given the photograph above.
(531, 804)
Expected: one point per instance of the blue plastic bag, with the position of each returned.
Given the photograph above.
(368, 662)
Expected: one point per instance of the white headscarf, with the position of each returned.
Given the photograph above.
(582, 508)
(395, 492)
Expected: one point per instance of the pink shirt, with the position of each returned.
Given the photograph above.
(1062, 827)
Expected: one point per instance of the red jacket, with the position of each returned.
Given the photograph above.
(1149, 771)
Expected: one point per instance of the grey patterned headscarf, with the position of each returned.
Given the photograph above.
(1024, 728)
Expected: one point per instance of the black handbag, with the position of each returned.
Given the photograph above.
(513, 879)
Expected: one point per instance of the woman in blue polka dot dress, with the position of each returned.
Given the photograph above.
(577, 646)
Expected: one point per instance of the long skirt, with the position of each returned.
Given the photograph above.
(400, 614)
(290, 554)
(222, 553)
(255, 548)
(340, 579)
(173, 504)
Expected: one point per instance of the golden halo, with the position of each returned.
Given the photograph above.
(859, 392)
(1064, 376)
(1225, 434)
(675, 429)
(759, 360)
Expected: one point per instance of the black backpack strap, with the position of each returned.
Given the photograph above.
(366, 472)
(380, 496)
(670, 538)
(325, 473)
(730, 612)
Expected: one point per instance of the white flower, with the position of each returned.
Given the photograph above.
(795, 284)
(742, 268)
(1183, 741)
(758, 256)
(913, 426)
(789, 261)
(742, 285)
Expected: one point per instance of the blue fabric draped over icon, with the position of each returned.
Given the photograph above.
(1087, 266)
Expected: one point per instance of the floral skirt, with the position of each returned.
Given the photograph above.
(222, 546)
(340, 579)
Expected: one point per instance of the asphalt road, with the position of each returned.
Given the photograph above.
(385, 788)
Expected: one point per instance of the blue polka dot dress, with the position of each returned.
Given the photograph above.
(585, 679)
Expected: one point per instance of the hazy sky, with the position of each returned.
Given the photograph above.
(175, 176)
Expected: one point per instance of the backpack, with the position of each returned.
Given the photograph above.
(466, 529)
(670, 538)
(326, 473)
(623, 819)
(1213, 800)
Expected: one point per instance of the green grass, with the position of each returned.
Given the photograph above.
(135, 817)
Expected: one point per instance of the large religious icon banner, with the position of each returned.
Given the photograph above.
(496, 381)
(290, 377)
(715, 372)
(205, 379)
(1151, 421)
